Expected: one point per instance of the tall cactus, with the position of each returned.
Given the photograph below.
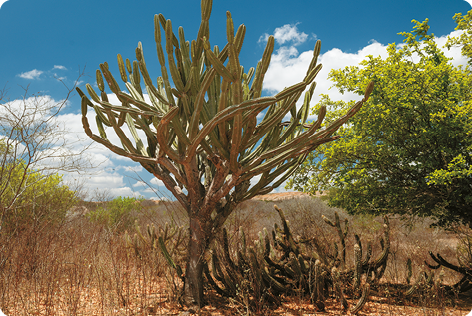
(200, 133)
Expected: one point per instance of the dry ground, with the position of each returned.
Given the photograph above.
(89, 301)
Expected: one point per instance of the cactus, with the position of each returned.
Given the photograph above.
(317, 295)
(203, 134)
(409, 271)
(421, 279)
(357, 266)
(169, 259)
(362, 300)
(463, 285)
(282, 265)
(338, 289)
(168, 241)
(342, 233)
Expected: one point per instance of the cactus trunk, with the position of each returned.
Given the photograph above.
(197, 246)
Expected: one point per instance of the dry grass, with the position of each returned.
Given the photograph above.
(79, 268)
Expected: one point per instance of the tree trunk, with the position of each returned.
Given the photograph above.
(198, 243)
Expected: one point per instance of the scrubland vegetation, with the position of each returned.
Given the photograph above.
(78, 265)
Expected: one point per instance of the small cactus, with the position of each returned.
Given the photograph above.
(362, 300)
(168, 241)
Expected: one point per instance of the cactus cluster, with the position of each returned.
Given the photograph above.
(170, 241)
(279, 263)
(427, 282)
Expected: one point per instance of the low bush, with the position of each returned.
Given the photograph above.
(118, 214)
(31, 198)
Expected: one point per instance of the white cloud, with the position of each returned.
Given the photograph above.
(140, 184)
(30, 109)
(288, 67)
(36, 74)
(115, 170)
(289, 33)
(157, 182)
(279, 189)
(64, 148)
(105, 180)
(125, 191)
(137, 168)
(109, 171)
(285, 34)
(33, 74)
(263, 38)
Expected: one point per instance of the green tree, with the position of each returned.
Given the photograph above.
(37, 198)
(401, 153)
(202, 139)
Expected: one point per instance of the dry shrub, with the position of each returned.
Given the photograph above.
(76, 267)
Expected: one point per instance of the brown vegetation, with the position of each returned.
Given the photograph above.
(81, 268)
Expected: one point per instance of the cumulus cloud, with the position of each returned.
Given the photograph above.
(33, 74)
(29, 109)
(289, 67)
(279, 189)
(285, 34)
(36, 74)
(108, 180)
(58, 142)
(110, 171)
(104, 169)
(134, 169)
(125, 191)
(111, 180)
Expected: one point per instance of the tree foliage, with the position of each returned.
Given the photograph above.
(408, 150)
(38, 198)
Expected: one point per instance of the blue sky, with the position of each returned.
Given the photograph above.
(42, 41)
